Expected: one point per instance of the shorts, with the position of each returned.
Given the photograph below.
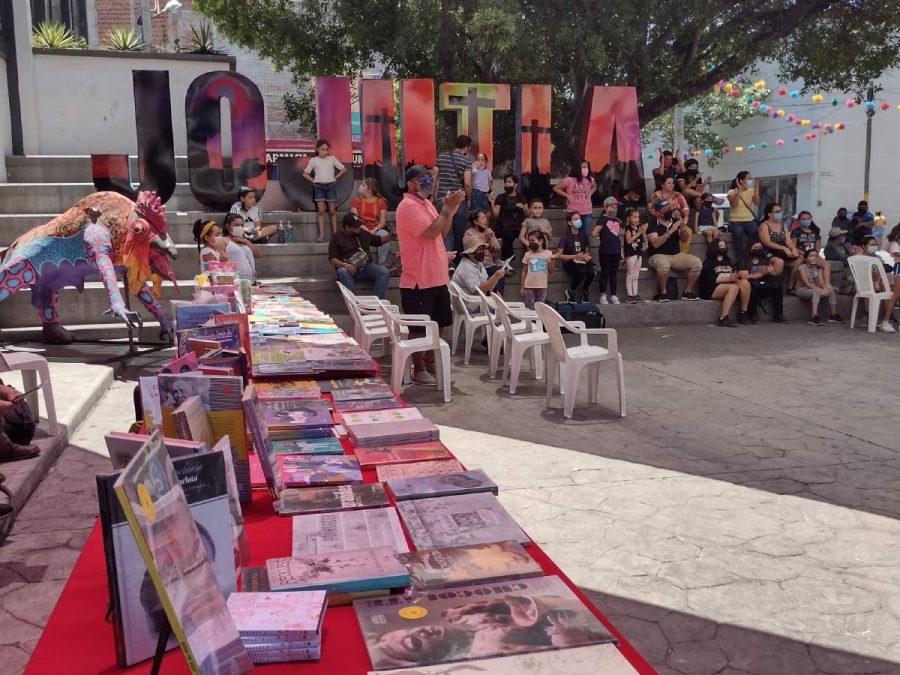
(705, 228)
(684, 262)
(324, 192)
(433, 302)
(533, 295)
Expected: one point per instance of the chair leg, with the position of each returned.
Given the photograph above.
(853, 311)
(49, 403)
(398, 364)
(549, 375)
(593, 382)
(537, 363)
(29, 381)
(444, 368)
(569, 374)
(874, 306)
(470, 338)
(513, 365)
(454, 337)
(620, 380)
(495, 354)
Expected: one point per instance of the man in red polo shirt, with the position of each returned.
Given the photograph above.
(424, 280)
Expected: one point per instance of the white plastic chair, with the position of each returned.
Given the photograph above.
(404, 347)
(861, 269)
(463, 317)
(31, 366)
(496, 331)
(368, 323)
(515, 344)
(571, 360)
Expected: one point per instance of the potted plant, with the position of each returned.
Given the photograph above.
(124, 39)
(55, 35)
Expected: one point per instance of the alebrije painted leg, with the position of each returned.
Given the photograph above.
(51, 330)
(154, 306)
(99, 251)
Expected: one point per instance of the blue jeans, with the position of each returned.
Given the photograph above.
(383, 249)
(375, 273)
(453, 240)
(739, 231)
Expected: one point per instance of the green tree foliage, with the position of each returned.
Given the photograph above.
(672, 51)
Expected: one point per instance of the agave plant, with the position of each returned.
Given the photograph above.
(124, 39)
(53, 35)
(203, 40)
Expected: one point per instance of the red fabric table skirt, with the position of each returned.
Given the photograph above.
(77, 639)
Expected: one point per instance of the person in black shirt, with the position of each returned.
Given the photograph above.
(574, 251)
(765, 280)
(807, 237)
(841, 221)
(719, 280)
(669, 166)
(348, 251)
(665, 255)
(609, 252)
(510, 208)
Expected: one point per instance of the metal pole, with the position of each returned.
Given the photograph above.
(870, 113)
(146, 25)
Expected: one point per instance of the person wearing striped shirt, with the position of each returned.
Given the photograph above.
(454, 173)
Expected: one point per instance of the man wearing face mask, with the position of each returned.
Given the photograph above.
(470, 274)
(841, 220)
(663, 237)
(510, 208)
(348, 251)
(454, 172)
(424, 279)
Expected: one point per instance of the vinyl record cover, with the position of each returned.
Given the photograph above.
(459, 520)
(415, 469)
(460, 483)
(402, 454)
(595, 660)
(347, 531)
(316, 470)
(176, 558)
(433, 569)
(298, 501)
(476, 622)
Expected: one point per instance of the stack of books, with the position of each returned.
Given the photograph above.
(277, 627)
(292, 420)
(319, 470)
(383, 427)
(339, 572)
(289, 390)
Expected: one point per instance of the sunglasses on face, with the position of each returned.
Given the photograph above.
(426, 180)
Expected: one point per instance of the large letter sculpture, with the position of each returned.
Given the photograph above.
(476, 104)
(332, 124)
(611, 140)
(214, 183)
(533, 110)
(155, 142)
(379, 146)
(417, 130)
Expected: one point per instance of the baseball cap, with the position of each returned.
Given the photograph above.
(351, 220)
(609, 201)
(660, 204)
(835, 232)
(415, 171)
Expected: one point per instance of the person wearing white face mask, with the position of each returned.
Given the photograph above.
(773, 235)
(743, 197)
(210, 242)
(577, 189)
(238, 249)
(574, 252)
(371, 209)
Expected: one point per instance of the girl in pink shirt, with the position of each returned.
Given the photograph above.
(577, 189)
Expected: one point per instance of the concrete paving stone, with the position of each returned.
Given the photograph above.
(533, 504)
(853, 554)
(45, 565)
(665, 550)
(796, 621)
(653, 591)
(14, 658)
(14, 631)
(830, 598)
(622, 532)
(32, 602)
(739, 601)
(20, 543)
(764, 654)
(831, 661)
(682, 627)
(571, 498)
(690, 574)
(621, 563)
(719, 526)
(587, 526)
(749, 564)
(702, 656)
(654, 645)
(881, 628)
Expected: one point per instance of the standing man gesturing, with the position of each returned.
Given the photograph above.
(425, 278)
(454, 173)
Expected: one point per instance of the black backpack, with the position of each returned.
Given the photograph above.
(588, 312)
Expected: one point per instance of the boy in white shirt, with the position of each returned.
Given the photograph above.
(320, 171)
(252, 227)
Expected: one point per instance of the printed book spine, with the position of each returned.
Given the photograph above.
(351, 585)
(278, 657)
(273, 635)
(182, 428)
(272, 640)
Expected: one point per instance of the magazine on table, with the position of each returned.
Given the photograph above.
(433, 569)
(388, 472)
(176, 557)
(339, 572)
(300, 501)
(440, 485)
(347, 531)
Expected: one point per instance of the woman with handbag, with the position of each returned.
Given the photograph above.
(743, 197)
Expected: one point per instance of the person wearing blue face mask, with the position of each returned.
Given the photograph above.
(574, 252)
(807, 237)
(773, 235)
(743, 197)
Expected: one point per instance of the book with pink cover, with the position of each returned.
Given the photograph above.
(402, 454)
(339, 571)
(373, 404)
(394, 432)
(288, 390)
(380, 416)
(311, 415)
(296, 615)
(316, 470)
(390, 471)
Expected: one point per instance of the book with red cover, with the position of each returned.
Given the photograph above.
(402, 454)
(388, 471)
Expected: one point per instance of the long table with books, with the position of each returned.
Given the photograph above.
(458, 580)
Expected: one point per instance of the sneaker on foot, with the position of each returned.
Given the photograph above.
(724, 322)
(744, 319)
(814, 321)
(603, 299)
(570, 294)
(585, 295)
(662, 297)
(614, 300)
(689, 295)
(638, 298)
(886, 327)
(779, 318)
(629, 300)
(424, 377)
(835, 318)
(754, 320)
(320, 238)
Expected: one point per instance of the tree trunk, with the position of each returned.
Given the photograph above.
(447, 38)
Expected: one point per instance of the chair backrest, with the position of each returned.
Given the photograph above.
(486, 309)
(503, 314)
(4, 366)
(553, 323)
(352, 307)
(390, 322)
(456, 300)
(861, 269)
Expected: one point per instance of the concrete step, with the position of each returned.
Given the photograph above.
(68, 169)
(27, 198)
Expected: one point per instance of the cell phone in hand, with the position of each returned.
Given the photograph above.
(21, 397)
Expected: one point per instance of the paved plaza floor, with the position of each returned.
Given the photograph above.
(742, 519)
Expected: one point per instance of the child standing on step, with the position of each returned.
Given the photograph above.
(320, 171)
(537, 266)
(609, 253)
(635, 243)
